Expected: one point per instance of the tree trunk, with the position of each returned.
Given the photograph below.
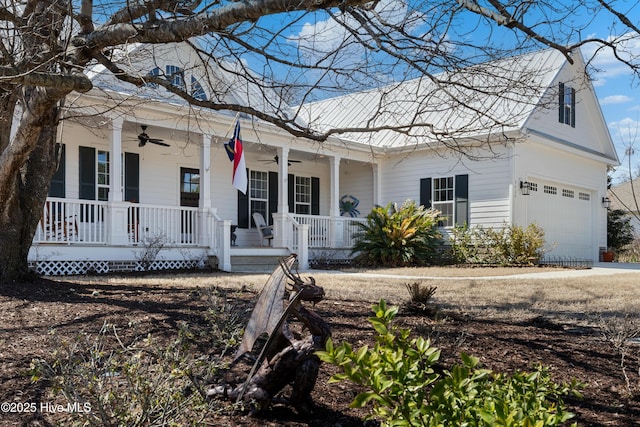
(24, 199)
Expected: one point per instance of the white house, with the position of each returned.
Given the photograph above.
(546, 163)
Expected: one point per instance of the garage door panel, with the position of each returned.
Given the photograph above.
(565, 215)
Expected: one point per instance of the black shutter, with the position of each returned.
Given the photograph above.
(87, 170)
(462, 199)
(57, 184)
(425, 192)
(561, 103)
(315, 196)
(273, 196)
(131, 177)
(573, 107)
(291, 196)
(243, 208)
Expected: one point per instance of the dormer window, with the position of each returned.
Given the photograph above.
(154, 73)
(567, 105)
(197, 91)
(176, 77)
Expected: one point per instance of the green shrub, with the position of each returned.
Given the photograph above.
(404, 390)
(619, 229)
(396, 237)
(509, 245)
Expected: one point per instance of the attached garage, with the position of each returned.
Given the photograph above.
(566, 214)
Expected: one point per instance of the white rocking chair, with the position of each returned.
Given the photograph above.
(266, 231)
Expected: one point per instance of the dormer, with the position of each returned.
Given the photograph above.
(176, 76)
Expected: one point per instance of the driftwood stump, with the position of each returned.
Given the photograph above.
(288, 358)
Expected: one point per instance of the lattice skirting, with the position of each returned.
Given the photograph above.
(66, 268)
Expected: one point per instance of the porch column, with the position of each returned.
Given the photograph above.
(205, 192)
(115, 174)
(116, 218)
(376, 183)
(335, 236)
(205, 172)
(281, 230)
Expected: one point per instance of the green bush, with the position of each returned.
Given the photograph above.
(619, 229)
(404, 390)
(396, 237)
(509, 245)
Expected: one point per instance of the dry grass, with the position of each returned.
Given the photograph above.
(580, 300)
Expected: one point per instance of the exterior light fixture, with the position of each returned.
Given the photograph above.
(525, 188)
(606, 203)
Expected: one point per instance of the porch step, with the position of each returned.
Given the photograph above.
(256, 260)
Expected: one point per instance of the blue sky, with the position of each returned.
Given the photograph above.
(616, 88)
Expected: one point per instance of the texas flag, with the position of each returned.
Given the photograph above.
(236, 155)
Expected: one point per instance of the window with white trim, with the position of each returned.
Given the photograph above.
(154, 73)
(303, 195)
(443, 199)
(259, 193)
(175, 75)
(102, 182)
(197, 91)
(567, 105)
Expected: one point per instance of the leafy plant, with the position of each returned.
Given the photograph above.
(405, 390)
(619, 229)
(398, 236)
(509, 245)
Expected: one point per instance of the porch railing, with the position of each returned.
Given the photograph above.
(174, 225)
(72, 221)
(329, 232)
(88, 221)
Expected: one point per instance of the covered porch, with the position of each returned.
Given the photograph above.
(76, 236)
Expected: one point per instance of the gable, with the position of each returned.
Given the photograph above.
(586, 132)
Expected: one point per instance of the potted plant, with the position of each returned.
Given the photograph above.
(619, 233)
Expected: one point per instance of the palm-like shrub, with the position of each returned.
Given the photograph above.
(395, 237)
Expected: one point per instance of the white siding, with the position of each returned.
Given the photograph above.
(489, 182)
(356, 179)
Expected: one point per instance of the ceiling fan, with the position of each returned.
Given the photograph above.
(276, 160)
(143, 138)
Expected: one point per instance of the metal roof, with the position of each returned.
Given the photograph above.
(484, 99)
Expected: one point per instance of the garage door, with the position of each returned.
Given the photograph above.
(565, 214)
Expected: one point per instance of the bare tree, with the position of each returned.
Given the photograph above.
(47, 45)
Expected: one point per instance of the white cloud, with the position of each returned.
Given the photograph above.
(615, 99)
(626, 132)
(604, 61)
(318, 39)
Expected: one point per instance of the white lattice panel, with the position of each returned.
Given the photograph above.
(67, 268)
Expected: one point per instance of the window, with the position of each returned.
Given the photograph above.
(303, 195)
(57, 185)
(584, 196)
(567, 105)
(259, 193)
(443, 199)
(189, 187)
(568, 193)
(449, 195)
(176, 77)
(154, 73)
(103, 175)
(549, 189)
(197, 91)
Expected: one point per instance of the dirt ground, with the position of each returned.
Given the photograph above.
(29, 313)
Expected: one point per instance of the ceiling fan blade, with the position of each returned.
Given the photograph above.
(158, 142)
